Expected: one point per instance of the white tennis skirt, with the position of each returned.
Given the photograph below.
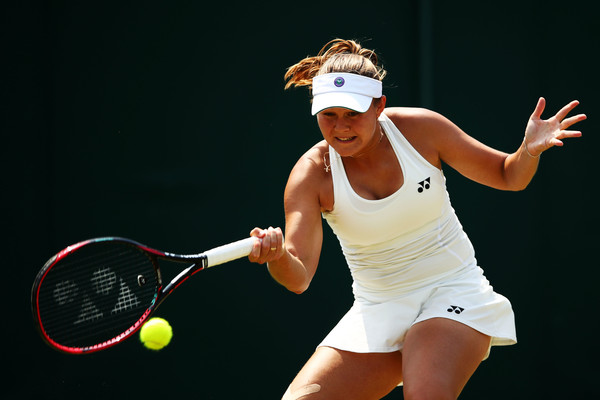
(382, 327)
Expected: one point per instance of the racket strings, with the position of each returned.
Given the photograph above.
(96, 293)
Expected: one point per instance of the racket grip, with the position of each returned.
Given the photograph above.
(229, 252)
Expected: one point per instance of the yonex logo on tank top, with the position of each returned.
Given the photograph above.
(424, 185)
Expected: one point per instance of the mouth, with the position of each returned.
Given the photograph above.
(345, 139)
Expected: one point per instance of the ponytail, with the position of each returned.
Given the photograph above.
(336, 56)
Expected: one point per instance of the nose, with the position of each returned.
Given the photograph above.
(342, 125)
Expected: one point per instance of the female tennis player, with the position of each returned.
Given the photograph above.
(424, 314)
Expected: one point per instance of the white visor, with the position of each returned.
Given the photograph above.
(339, 89)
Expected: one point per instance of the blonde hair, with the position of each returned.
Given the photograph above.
(338, 55)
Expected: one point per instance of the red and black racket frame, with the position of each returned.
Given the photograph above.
(199, 261)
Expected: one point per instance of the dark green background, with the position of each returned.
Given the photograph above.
(167, 123)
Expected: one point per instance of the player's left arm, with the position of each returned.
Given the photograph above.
(494, 168)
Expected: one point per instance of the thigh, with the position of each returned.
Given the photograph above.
(439, 357)
(335, 374)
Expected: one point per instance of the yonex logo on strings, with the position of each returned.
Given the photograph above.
(104, 283)
(455, 309)
(424, 185)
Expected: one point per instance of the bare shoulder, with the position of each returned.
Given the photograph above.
(311, 163)
(310, 179)
(415, 118)
(423, 129)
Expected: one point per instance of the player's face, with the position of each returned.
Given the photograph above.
(349, 132)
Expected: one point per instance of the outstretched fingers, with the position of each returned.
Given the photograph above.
(567, 122)
(541, 134)
(539, 109)
(563, 112)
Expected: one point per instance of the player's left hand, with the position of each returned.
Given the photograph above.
(540, 135)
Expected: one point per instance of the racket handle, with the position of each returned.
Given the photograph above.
(229, 252)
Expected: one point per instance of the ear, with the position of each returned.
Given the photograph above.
(380, 105)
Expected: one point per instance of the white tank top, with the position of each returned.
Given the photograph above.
(406, 241)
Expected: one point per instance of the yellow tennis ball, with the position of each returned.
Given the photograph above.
(156, 333)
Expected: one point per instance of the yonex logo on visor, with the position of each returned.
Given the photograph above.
(346, 90)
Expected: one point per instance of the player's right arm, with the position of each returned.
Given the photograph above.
(295, 261)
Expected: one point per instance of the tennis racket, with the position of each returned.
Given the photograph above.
(99, 292)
